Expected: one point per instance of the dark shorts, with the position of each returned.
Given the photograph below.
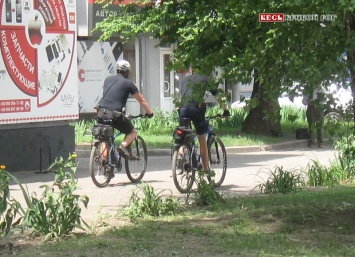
(122, 124)
(197, 116)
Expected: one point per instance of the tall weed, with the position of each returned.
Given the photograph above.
(205, 193)
(281, 181)
(345, 156)
(292, 114)
(57, 212)
(147, 201)
(8, 208)
(82, 130)
(319, 175)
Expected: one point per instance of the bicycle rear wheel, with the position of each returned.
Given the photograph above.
(97, 170)
(218, 160)
(183, 172)
(137, 164)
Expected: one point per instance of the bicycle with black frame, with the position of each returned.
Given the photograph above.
(186, 159)
(104, 157)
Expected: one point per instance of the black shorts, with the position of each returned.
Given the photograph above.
(197, 116)
(122, 124)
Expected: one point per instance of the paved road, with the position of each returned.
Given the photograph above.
(245, 171)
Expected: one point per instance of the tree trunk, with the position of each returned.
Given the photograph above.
(349, 28)
(352, 80)
(265, 118)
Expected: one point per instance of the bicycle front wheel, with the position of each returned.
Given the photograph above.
(97, 159)
(218, 160)
(183, 172)
(137, 163)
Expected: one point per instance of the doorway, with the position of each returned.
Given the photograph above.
(167, 82)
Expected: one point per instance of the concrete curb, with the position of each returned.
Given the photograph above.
(83, 150)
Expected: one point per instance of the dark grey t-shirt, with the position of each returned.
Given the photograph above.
(193, 88)
(117, 94)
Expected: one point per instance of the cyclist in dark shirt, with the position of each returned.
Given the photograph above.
(193, 88)
(116, 90)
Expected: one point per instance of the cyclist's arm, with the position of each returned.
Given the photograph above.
(221, 104)
(141, 100)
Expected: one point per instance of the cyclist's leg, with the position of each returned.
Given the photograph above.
(129, 138)
(204, 151)
(126, 127)
(197, 116)
(104, 148)
(183, 122)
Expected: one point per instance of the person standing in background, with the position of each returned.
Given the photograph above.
(316, 104)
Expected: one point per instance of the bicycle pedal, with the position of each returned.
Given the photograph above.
(109, 174)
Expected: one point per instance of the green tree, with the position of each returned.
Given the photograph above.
(228, 34)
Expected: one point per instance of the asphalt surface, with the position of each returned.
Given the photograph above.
(247, 168)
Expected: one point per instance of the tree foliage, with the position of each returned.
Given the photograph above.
(228, 34)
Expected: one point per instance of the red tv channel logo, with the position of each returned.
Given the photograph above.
(271, 17)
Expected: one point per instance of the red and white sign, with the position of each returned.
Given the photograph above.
(38, 60)
(271, 17)
(15, 105)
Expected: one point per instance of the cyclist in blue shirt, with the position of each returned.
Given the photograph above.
(193, 88)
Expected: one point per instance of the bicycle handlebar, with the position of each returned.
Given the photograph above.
(208, 117)
(216, 116)
(136, 116)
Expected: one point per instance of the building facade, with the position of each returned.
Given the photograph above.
(96, 61)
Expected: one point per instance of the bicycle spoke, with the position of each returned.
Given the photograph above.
(183, 173)
(96, 167)
(137, 164)
(218, 160)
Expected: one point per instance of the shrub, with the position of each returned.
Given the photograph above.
(8, 208)
(206, 193)
(281, 181)
(82, 130)
(319, 175)
(57, 212)
(345, 157)
(146, 201)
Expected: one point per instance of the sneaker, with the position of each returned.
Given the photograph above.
(123, 151)
(209, 173)
(320, 145)
(199, 166)
(108, 172)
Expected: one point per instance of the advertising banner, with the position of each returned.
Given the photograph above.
(38, 65)
(96, 61)
(97, 12)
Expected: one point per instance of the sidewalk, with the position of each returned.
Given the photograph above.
(243, 174)
(244, 165)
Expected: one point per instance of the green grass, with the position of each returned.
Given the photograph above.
(318, 222)
(157, 132)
